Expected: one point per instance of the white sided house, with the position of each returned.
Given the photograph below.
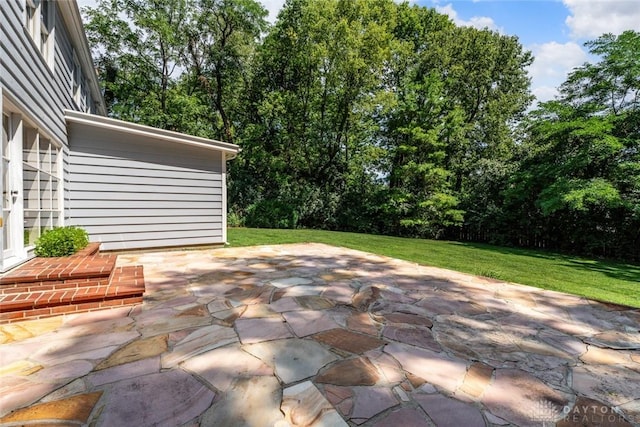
(65, 163)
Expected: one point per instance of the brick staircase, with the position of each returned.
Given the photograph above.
(86, 281)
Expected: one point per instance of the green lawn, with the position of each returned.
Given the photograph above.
(601, 280)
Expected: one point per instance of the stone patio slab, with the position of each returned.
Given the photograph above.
(307, 322)
(75, 410)
(293, 359)
(348, 341)
(404, 417)
(168, 398)
(304, 405)
(370, 401)
(248, 402)
(263, 329)
(447, 412)
(125, 371)
(221, 366)
(310, 334)
(351, 372)
(437, 368)
(199, 341)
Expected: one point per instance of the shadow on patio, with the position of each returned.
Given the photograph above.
(309, 333)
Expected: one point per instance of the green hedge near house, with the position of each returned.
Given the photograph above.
(61, 241)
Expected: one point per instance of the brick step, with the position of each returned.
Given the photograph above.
(124, 287)
(52, 285)
(91, 249)
(57, 270)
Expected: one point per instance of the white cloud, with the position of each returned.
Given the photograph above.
(544, 93)
(273, 6)
(553, 62)
(592, 18)
(479, 22)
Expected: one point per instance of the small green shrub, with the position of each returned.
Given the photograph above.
(61, 241)
(234, 219)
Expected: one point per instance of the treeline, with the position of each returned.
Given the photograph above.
(378, 117)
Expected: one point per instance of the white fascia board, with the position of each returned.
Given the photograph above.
(230, 150)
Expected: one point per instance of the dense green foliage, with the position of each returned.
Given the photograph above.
(577, 182)
(175, 64)
(386, 118)
(594, 279)
(61, 241)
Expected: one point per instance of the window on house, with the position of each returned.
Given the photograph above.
(79, 86)
(45, 24)
(83, 97)
(41, 184)
(31, 18)
(89, 101)
(40, 26)
(76, 79)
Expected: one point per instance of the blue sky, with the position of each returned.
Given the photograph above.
(526, 19)
(554, 30)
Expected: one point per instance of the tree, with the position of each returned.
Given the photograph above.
(138, 46)
(313, 97)
(459, 91)
(579, 177)
(175, 64)
(222, 36)
(610, 85)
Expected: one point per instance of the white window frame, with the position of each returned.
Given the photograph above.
(39, 201)
(76, 79)
(47, 181)
(83, 96)
(31, 18)
(79, 86)
(41, 29)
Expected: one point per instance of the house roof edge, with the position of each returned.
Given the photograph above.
(71, 116)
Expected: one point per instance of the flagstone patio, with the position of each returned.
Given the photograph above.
(314, 335)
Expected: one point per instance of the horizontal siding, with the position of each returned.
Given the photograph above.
(98, 187)
(40, 92)
(139, 170)
(150, 205)
(43, 93)
(122, 178)
(132, 192)
(158, 195)
(115, 221)
(141, 152)
(151, 214)
(155, 235)
(115, 159)
(146, 227)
